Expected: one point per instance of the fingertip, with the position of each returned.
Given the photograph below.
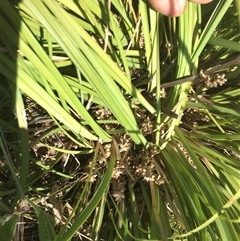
(171, 8)
(201, 1)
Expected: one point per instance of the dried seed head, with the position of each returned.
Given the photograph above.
(214, 80)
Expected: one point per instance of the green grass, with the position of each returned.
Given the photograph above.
(93, 147)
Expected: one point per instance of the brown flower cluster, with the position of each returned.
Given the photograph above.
(193, 116)
(213, 80)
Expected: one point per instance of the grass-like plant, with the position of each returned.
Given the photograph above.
(118, 123)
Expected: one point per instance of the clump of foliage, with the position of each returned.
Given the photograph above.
(118, 123)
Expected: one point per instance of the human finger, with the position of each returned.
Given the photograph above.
(171, 8)
(201, 1)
